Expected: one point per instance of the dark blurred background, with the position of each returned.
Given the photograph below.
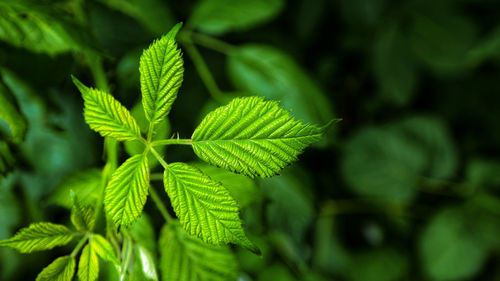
(405, 187)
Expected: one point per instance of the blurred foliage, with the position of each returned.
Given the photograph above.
(406, 187)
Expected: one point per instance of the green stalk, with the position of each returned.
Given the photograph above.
(172, 141)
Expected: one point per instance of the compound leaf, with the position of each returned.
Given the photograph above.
(183, 257)
(205, 208)
(88, 266)
(103, 248)
(253, 137)
(38, 237)
(62, 269)
(127, 190)
(161, 68)
(106, 115)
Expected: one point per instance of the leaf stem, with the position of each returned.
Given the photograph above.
(159, 204)
(80, 245)
(128, 254)
(210, 42)
(172, 141)
(202, 68)
(158, 157)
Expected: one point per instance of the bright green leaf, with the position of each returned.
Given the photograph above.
(62, 269)
(88, 266)
(38, 237)
(269, 72)
(103, 248)
(221, 16)
(253, 137)
(127, 190)
(106, 115)
(242, 188)
(82, 216)
(143, 233)
(204, 207)
(10, 114)
(186, 258)
(162, 71)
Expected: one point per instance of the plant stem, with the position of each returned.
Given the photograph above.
(80, 245)
(156, 177)
(159, 204)
(202, 68)
(172, 141)
(211, 43)
(158, 156)
(128, 254)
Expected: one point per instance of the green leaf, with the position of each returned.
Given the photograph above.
(242, 188)
(204, 207)
(10, 114)
(62, 269)
(186, 258)
(253, 137)
(29, 25)
(86, 183)
(103, 248)
(38, 237)
(106, 115)
(442, 40)
(383, 264)
(153, 14)
(6, 159)
(143, 233)
(393, 66)
(383, 164)
(145, 266)
(448, 248)
(222, 16)
(88, 267)
(127, 190)
(269, 72)
(162, 71)
(82, 216)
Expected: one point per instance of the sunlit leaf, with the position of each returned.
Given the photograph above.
(127, 190)
(62, 269)
(38, 237)
(106, 115)
(253, 137)
(204, 207)
(162, 71)
(103, 248)
(88, 266)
